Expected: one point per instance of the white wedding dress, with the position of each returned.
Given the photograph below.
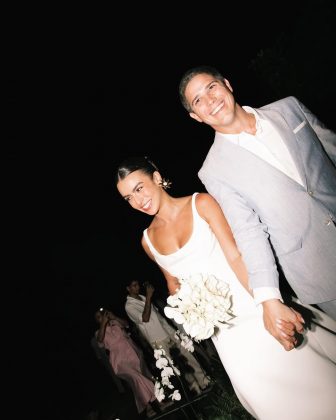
(271, 383)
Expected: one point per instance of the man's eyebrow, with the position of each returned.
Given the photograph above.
(205, 87)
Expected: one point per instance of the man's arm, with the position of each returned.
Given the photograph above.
(251, 235)
(252, 240)
(325, 135)
(148, 303)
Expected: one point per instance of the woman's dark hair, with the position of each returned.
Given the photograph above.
(134, 163)
(190, 74)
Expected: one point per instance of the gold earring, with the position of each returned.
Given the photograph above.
(165, 183)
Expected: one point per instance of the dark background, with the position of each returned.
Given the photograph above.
(109, 92)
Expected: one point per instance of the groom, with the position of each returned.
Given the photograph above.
(273, 172)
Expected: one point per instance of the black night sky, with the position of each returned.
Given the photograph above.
(112, 94)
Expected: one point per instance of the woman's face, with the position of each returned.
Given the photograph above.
(99, 317)
(141, 191)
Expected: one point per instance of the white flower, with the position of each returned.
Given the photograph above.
(175, 395)
(186, 342)
(158, 352)
(162, 362)
(159, 391)
(166, 382)
(168, 369)
(201, 304)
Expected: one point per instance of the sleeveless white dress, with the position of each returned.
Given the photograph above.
(271, 383)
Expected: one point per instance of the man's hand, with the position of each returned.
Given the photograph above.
(282, 322)
(149, 290)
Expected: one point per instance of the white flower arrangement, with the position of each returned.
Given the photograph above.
(201, 304)
(186, 341)
(168, 369)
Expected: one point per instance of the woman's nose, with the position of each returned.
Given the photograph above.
(138, 200)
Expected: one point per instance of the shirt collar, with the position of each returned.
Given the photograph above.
(235, 138)
(138, 300)
(259, 124)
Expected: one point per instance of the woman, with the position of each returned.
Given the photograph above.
(125, 358)
(190, 235)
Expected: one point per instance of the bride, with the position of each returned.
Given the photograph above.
(190, 235)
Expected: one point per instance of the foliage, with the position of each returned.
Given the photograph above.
(301, 61)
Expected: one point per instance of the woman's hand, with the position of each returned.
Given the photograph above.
(106, 318)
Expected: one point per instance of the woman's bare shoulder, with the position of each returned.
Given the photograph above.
(205, 199)
(207, 206)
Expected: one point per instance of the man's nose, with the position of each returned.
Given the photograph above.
(211, 97)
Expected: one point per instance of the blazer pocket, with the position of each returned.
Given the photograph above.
(298, 128)
(292, 247)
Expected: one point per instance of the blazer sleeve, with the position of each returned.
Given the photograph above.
(250, 233)
(326, 136)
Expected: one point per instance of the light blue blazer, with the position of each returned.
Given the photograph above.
(274, 219)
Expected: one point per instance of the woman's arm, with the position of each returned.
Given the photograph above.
(102, 328)
(122, 322)
(172, 282)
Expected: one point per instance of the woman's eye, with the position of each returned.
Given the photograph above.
(139, 189)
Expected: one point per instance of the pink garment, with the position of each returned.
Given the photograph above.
(127, 362)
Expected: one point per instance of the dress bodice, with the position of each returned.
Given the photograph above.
(202, 253)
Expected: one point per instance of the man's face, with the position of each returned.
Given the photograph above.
(211, 100)
(134, 288)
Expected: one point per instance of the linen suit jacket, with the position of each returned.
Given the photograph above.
(274, 219)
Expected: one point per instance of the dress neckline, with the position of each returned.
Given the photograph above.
(193, 210)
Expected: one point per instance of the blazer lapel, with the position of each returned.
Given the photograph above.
(289, 138)
(240, 163)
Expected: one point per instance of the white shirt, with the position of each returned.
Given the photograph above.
(269, 146)
(156, 329)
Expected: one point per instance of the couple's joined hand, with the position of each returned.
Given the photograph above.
(282, 322)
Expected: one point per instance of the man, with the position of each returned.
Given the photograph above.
(272, 170)
(156, 330)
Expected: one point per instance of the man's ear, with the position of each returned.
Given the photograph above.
(195, 117)
(227, 84)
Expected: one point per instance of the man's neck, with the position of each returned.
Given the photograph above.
(243, 121)
(134, 296)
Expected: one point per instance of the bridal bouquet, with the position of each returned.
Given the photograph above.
(201, 304)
